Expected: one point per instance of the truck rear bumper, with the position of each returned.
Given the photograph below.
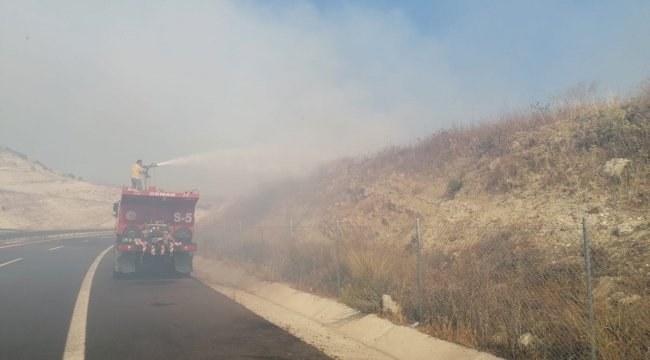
(129, 257)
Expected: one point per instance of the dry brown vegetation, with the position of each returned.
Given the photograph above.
(500, 205)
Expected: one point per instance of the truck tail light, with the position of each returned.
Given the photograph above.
(188, 248)
(125, 247)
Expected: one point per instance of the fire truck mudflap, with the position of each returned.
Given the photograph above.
(154, 229)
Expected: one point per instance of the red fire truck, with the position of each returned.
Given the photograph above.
(154, 228)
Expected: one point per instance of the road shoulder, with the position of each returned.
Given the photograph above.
(337, 330)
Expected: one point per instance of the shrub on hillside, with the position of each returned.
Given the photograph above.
(453, 186)
(42, 165)
(17, 153)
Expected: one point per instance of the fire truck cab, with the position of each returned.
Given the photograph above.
(154, 228)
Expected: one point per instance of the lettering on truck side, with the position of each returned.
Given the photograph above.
(162, 194)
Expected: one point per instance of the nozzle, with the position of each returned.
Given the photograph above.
(154, 165)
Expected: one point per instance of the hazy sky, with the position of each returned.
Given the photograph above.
(87, 87)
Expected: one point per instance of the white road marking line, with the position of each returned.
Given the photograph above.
(10, 262)
(58, 247)
(86, 240)
(75, 345)
(40, 241)
(105, 237)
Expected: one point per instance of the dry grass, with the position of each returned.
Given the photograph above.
(546, 147)
(484, 286)
(483, 293)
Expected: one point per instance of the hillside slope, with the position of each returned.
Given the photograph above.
(546, 166)
(33, 197)
(500, 207)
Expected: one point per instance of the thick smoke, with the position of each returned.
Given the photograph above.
(155, 80)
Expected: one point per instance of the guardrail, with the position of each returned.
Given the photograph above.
(10, 230)
(11, 234)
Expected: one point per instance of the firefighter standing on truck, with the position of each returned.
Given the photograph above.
(136, 174)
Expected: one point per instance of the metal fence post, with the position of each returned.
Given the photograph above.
(291, 239)
(225, 237)
(241, 243)
(261, 250)
(590, 296)
(213, 241)
(419, 261)
(338, 258)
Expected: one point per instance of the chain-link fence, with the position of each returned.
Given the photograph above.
(517, 292)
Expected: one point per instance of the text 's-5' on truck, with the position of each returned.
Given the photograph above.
(154, 228)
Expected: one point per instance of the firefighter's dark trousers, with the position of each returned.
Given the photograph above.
(136, 183)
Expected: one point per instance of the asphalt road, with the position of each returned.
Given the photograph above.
(150, 317)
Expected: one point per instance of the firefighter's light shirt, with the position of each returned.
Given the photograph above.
(136, 170)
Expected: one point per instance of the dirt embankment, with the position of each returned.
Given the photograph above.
(500, 206)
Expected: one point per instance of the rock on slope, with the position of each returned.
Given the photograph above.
(33, 197)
